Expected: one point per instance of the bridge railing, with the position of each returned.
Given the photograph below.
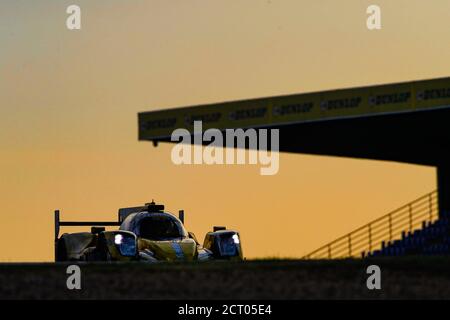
(383, 230)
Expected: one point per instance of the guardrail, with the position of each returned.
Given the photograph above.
(387, 228)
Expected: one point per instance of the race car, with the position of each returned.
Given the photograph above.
(146, 233)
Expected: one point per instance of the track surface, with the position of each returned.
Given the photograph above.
(402, 278)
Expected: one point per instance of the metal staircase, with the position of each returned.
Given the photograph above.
(381, 232)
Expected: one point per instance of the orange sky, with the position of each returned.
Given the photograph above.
(69, 103)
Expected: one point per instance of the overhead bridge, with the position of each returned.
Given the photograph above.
(404, 122)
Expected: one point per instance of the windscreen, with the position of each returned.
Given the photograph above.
(160, 227)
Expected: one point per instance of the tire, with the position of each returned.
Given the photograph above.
(102, 250)
(61, 251)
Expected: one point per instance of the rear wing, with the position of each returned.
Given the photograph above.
(122, 214)
(59, 223)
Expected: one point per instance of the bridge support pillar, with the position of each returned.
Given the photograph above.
(443, 182)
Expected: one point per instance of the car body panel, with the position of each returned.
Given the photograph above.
(76, 244)
(175, 250)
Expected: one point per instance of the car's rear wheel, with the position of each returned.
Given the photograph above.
(102, 250)
(61, 251)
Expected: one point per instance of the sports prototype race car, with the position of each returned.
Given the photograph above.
(146, 233)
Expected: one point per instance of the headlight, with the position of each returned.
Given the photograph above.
(228, 244)
(126, 244)
(118, 239)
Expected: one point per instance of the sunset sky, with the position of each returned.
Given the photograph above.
(69, 102)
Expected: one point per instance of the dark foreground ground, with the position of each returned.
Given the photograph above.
(405, 278)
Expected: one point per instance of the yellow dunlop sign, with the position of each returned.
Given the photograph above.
(298, 108)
